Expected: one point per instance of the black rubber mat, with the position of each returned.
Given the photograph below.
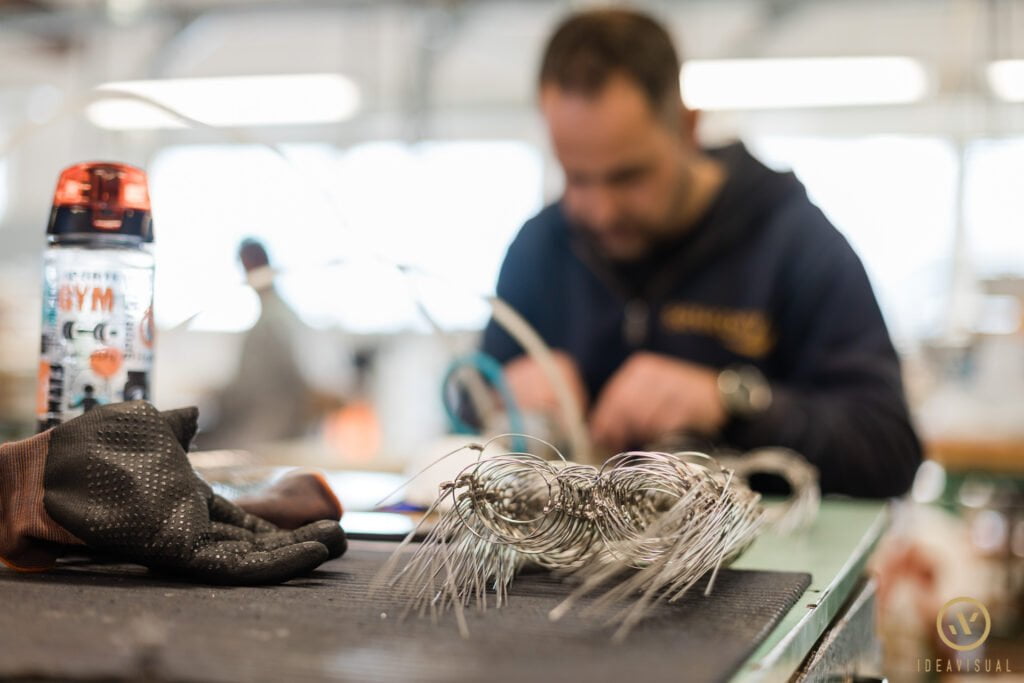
(113, 622)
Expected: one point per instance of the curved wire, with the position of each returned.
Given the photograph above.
(651, 523)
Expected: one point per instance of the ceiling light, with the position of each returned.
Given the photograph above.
(292, 99)
(1006, 78)
(807, 82)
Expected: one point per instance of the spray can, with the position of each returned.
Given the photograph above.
(98, 332)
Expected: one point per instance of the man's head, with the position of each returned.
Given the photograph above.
(609, 90)
(256, 263)
(252, 254)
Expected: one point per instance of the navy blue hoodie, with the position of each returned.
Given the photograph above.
(762, 279)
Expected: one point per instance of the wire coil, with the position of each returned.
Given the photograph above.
(655, 522)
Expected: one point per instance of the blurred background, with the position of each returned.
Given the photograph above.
(408, 129)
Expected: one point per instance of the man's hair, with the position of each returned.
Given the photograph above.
(252, 254)
(590, 47)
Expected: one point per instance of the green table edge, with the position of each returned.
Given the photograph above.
(834, 550)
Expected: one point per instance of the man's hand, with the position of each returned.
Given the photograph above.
(652, 395)
(533, 390)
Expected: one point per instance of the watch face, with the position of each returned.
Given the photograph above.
(760, 397)
(744, 391)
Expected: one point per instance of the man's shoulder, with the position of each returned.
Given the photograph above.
(545, 232)
(806, 245)
(799, 224)
(548, 223)
(787, 212)
(764, 205)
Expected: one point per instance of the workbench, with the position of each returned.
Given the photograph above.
(830, 632)
(94, 621)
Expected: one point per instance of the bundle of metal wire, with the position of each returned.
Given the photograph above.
(662, 520)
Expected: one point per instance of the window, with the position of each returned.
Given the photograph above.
(994, 207)
(447, 210)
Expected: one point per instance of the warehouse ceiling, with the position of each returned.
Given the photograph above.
(416, 54)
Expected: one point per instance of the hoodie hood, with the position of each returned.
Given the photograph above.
(750, 192)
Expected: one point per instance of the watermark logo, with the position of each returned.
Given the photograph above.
(963, 624)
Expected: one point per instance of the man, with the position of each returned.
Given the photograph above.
(268, 399)
(693, 291)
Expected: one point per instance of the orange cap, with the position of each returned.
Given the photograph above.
(109, 193)
(103, 185)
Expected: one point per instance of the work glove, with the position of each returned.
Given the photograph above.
(117, 480)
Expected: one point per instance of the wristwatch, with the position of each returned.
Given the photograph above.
(744, 391)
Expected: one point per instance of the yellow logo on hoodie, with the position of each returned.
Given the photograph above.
(745, 332)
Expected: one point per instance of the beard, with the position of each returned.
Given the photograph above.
(624, 242)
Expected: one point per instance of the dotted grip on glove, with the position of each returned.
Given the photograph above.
(118, 478)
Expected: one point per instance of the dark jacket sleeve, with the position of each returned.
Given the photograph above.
(838, 398)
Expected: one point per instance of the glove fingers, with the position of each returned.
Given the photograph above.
(223, 510)
(327, 533)
(230, 522)
(240, 563)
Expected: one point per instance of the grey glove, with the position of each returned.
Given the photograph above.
(117, 479)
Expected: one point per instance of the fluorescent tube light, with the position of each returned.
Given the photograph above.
(805, 82)
(229, 101)
(1006, 78)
